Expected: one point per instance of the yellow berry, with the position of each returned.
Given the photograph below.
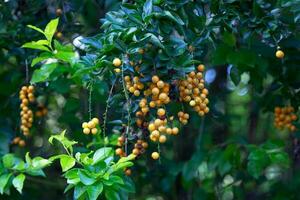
(155, 91)
(175, 131)
(163, 96)
(151, 127)
(160, 84)
(279, 54)
(155, 155)
(136, 93)
(117, 62)
(95, 120)
(117, 70)
(192, 103)
(162, 139)
(85, 125)
(161, 112)
(91, 124)
(155, 79)
(86, 131)
(94, 131)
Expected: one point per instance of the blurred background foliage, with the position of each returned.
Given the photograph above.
(233, 153)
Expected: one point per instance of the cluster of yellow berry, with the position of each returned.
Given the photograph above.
(183, 117)
(193, 91)
(26, 96)
(159, 91)
(134, 86)
(284, 117)
(18, 141)
(42, 111)
(158, 128)
(117, 63)
(91, 126)
(139, 147)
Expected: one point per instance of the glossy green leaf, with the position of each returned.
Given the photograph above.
(18, 182)
(67, 162)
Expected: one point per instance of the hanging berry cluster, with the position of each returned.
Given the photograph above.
(159, 91)
(183, 117)
(134, 86)
(192, 90)
(26, 96)
(91, 127)
(284, 117)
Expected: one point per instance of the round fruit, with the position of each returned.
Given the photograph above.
(91, 124)
(155, 155)
(161, 112)
(128, 172)
(162, 139)
(117, 62)
(201, 68)
(85, 125)
(279, 54)
(94, 131)
(155, 79)
(95, 120)
(86, 131)
(117, 70)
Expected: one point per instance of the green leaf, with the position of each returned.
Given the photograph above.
(40, 45)
(86, 178)
(147, 8)
(63, 140)
(39, 162)
(18, 182)
(127, 158)
(8, 160)
(67, 162)
(94, 191)
(42, 74)
(42, 57)
(101, 154)
(4, 178)
(154, 39)
(116, 180)
(50, 29)
(79, 191)
(36, 28)
(111, 194)
(173, 16)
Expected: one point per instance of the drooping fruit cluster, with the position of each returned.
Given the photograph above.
(139, 147)
(183, 117)
(117, 63)
(284, 117)
(19, 141)
(159, 91)
(159, 128)
(192, 90)
(26, 96)
(134, 86)
(91, 127)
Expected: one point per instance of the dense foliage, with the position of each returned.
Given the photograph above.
(198, 99)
